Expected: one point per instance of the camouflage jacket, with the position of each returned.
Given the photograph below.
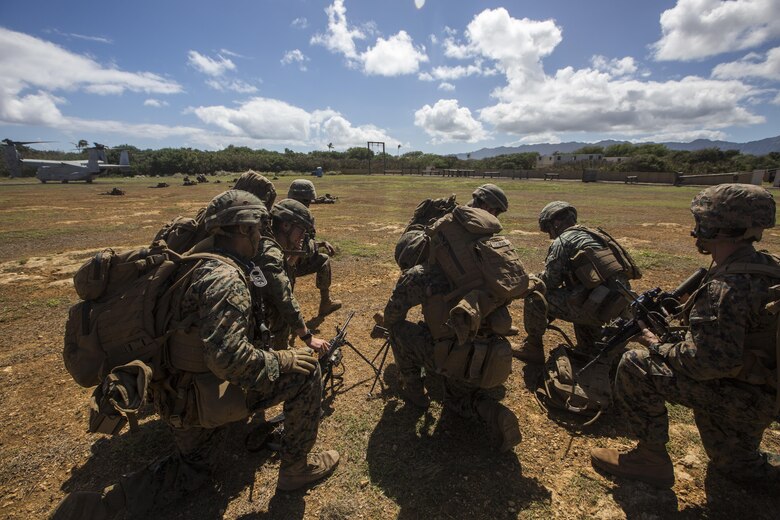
(221, 300)
(281, 307)
(726, 319)
(557, 266)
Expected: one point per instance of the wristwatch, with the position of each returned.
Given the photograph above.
(306, 336)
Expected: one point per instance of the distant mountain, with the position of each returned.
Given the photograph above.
(762, 147)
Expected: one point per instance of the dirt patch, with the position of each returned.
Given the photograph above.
(666, 225)
(525, 233)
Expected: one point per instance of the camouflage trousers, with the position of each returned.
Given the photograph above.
(412, 346)
(731, 416)
(560, 306)
(318, 263)
(197, 450)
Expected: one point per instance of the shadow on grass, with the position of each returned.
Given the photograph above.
(235, 472)
(449, 471)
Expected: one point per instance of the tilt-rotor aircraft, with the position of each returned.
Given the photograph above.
(63, 171)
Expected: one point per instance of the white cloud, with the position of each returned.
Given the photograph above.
(340, 37)
(611, 96)
(151, 102)
(448, 87)
(210, 66)
(684, 137)
(394, 57)
(445, 122)
(34, 69)
(295, 56)
(776, 101)
(695, 29)
(228, 52)
(614, 67)
(538, 138)
(234, 85)
(98, 39)
(751, 66)
(300, 23)
(419, 3)
(445, 73)
(265, 120)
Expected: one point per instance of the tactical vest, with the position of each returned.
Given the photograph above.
(598, 269)
(761, 349)
(192, 395)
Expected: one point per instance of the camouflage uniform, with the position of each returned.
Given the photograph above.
(702, 372)
(220, 298)
(565, 294)
(282, 312)
(413, 343)
(313, 261)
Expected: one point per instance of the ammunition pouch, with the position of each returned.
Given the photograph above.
(218, 401)
(484, 362)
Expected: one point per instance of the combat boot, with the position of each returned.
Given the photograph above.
(502, 422)
(413, 392)
(327, 306)
(766, 470)
(316, 466)
(531, 351)
(645, 463)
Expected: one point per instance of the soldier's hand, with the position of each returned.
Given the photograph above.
(319, 345)
(646, 337)
(296, 360)
(329, 248)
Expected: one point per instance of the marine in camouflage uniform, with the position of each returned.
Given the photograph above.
(219, 301)
(726, 367)
(311, 259)
(565, 295)
(413, 349)
(282, 313)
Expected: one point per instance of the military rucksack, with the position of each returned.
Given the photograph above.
(562, 386)
(429, 211)
(123, 318)
(182, 233)
(463, 243)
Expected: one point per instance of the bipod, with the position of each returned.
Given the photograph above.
(336, 380)
(383, 350)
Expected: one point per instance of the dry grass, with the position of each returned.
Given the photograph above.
(399, 463)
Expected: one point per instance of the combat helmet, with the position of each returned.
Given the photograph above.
(302, 190)
(411, 249)
(492, 196)
(258, 185)
(554, 210)
(232, 208)
(733, 211)
(290, 210)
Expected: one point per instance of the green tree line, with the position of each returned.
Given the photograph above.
(190, 161)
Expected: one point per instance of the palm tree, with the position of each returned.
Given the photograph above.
(399, 149)
(330, 147)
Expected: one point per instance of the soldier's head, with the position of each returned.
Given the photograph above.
(411, 249)
(257, 185)
(731, 214)
(303, 191)
(237, 219)
(491, 198)
(292, 222)
(556, 217)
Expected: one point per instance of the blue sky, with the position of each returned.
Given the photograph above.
(441, 76)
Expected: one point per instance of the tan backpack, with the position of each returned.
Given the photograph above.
(463, 244)
(182, 233)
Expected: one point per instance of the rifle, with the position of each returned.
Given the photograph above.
(655, 308)
(333, 356)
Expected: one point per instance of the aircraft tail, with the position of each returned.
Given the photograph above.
(12, 160)
(124, 158)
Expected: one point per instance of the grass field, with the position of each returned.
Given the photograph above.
(398, 463)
